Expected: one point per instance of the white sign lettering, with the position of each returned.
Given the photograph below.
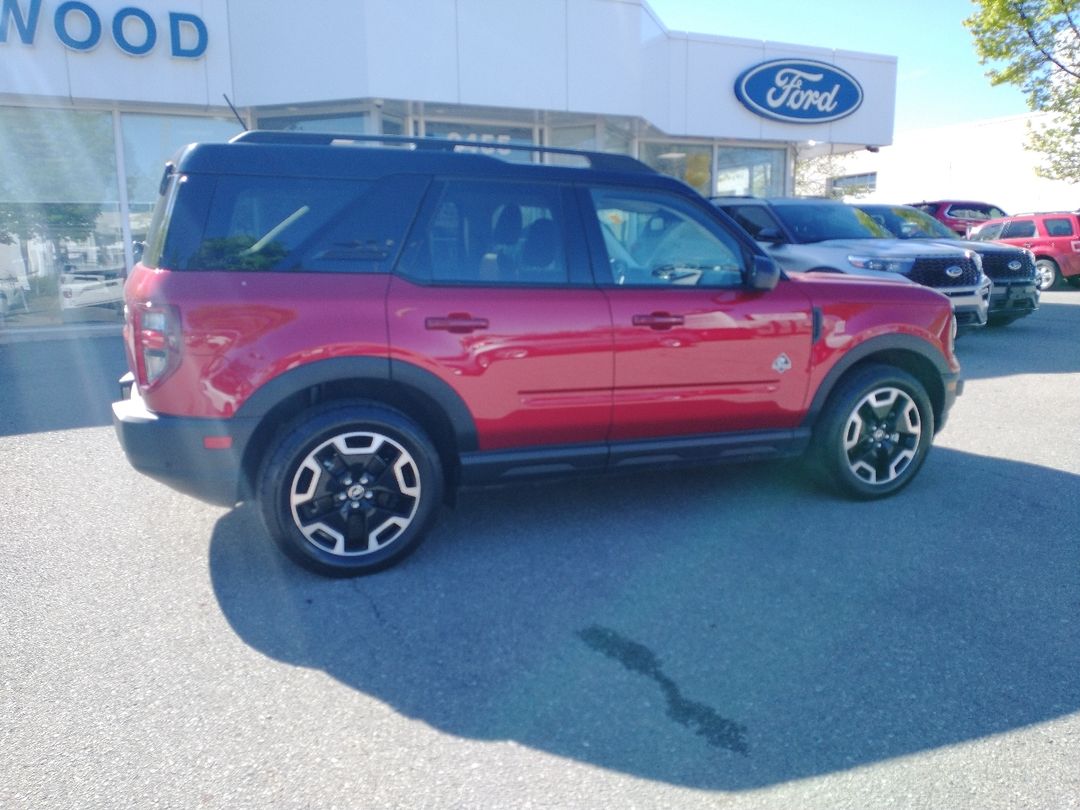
(788, 92)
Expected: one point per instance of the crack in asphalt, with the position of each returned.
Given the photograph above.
(718, 731)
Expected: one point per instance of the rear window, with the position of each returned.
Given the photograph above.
(1058, 227)
(246, 223)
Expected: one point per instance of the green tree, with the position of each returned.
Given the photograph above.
(1035, 45)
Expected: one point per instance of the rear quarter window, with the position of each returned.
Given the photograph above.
(1058, 227)
(247, 223)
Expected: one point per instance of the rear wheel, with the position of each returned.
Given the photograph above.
(350, 488)
(1047, 274)
(875, 432)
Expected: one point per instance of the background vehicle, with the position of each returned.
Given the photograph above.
(960, 216)
(826, 235)
(11, 293)
(1012, 269)
(91, 295)
(345, 334)
(1054, 238)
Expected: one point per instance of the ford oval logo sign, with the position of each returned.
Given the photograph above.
(953, 271)
(799, 91)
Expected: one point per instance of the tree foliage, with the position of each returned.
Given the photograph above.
(1035, 45)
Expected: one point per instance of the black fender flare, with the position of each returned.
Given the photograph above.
(375, 369)
(874, 346)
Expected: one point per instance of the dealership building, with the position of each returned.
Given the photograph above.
(96, 94)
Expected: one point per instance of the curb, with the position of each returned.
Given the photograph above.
(34, 334)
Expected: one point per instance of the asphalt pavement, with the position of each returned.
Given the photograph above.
(729, 637)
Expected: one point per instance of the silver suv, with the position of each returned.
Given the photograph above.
(817, 235)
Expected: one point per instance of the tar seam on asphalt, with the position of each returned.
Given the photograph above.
(718, 731)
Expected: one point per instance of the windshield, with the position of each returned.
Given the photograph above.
(812, 222)
(906, 222)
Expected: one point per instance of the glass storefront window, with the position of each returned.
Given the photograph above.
(61, 252)
(359, 123)
(691, 163)
(750, 171)
(487, 137)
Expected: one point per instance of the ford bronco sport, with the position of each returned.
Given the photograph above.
(344, 332)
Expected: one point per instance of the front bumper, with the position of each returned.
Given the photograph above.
(174, 450)
(1013, 299)
(970, 305)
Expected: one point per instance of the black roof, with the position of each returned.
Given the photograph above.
(311, 154)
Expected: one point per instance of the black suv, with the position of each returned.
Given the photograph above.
(344, 332)
(1012, 269)
(822, 235)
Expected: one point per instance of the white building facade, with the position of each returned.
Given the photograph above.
(96, 94)
(980, 160)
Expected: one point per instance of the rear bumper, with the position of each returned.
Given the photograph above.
(173, 450)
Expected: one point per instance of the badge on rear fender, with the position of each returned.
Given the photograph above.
(782, 364)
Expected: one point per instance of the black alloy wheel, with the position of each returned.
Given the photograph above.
(350, 488)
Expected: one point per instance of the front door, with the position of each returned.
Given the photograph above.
(696, 350)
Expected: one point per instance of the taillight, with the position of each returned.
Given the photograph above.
(156, 349)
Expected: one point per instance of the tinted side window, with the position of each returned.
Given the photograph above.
(285, 224)
(490, 232)
(1018, 228)
(1058, 227)
(654, 238)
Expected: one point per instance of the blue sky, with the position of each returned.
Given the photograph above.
(939, 78)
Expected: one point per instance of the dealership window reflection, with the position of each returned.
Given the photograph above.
(60, 234)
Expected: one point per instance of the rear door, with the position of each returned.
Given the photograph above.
(494, 296)
(1060, 232)
(696, 351)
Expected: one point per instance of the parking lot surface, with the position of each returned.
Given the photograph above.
(728, 637)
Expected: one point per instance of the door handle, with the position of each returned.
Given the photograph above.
(658, 320)
(456, 323)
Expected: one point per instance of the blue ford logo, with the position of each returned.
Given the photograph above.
(953, 271)
(1015, 265)
(798, 91)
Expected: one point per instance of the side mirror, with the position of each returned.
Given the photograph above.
(764, 274)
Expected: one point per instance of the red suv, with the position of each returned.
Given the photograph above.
(1053, 237)
(346, 334)
(960, 215)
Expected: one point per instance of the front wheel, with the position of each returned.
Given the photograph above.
(350, 488)
(875, 432)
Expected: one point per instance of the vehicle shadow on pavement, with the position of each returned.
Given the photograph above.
(59, 384)
(1041, 343)
(729, 628)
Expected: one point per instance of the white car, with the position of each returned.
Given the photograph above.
(81, 290)
(11, 295)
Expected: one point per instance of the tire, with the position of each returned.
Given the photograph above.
(874, 433)
(350, 488)
(1047, 274)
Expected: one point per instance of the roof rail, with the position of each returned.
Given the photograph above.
(602, 161)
